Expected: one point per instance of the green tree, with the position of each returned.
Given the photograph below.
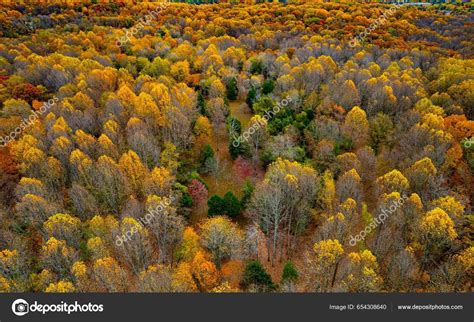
(263, 105)
(234, 127)
(231, 205)
(289, 272)
(215, 206)
(206, 153)
(255, 278)
(201, 103)
(186, 200)
(232, 90)
(251, 97)
(247, 191)
(238, 148)
(256, 66)
(268, 86)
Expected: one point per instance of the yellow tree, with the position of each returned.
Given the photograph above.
(203, 131)
(156, 279)
(57, 257)
(420, 174)
(61, 287)
(280, 203)
(204, 272)
(32, 162)
(105, 146)
(132, 243)
(30, 186)
(328, 192)
(147, 110)
(81, 167)
(217, 89)
(392, 181)
(169, 157)
(222, 238)
(11, 272)
(159, 92)
(111, 129)
(97, 248)
(64, 227)
(165, 224)
(348, 94)
(349, 185)
(134, 170)
(189, 245)
(103, 226)
(109, 276)
(348, 161)
(111, 186)
(40, 281)
(451, 206)
(81, 279)
(61, 148)
(356, 126)
(159, 182)
(322, 264)
(203, 126)
(185, 99)
(413, 210)
(19, 148)
(86, 142)
(180, 71)
(182, 279)
(362, 274)
(437, 232)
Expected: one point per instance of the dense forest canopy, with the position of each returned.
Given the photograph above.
(171, 147)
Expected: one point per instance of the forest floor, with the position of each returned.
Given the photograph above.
(226, 179)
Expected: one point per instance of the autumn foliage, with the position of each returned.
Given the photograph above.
(134, 180)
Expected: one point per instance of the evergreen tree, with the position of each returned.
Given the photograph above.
(215, 206)
(206, 153)
(234, 127)
(256, 278)
(290, 274)
(231, 205)
(232, 90)
(247, 191)
(201, 103)
(268, 86)
(186, 200)
(251, 97)
(256, 67)
(238, 149)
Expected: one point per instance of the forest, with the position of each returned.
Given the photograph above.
(303, 146)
